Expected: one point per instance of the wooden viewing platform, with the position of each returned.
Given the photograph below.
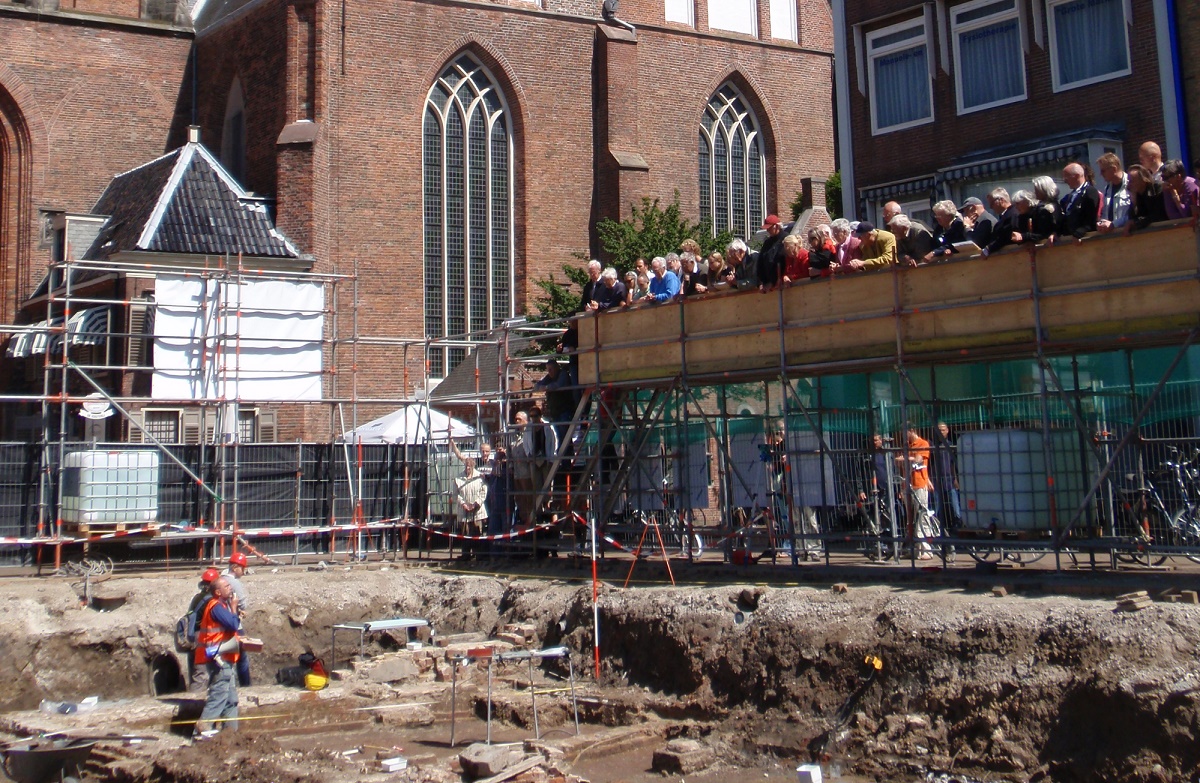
(1096, 295)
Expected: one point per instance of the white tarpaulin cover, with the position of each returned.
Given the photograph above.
(254, 340)
(411, 424)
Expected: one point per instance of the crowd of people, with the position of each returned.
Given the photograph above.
(1128, 198)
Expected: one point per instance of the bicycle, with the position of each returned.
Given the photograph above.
(1143, 517)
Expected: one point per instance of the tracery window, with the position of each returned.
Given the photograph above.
(732, 164)
(468, 187)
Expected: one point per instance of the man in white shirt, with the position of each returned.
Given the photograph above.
(1117, 197)
(471, 490)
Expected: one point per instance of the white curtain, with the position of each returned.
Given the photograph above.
(989, 62)
(901, 87)
(1089, 38)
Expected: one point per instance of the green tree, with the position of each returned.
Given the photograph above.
(797, 204)
(833, 195)
(651, 230)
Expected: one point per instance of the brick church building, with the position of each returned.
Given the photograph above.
(447, 153)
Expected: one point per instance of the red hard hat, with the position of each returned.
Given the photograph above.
(210, 575)
(238, 558)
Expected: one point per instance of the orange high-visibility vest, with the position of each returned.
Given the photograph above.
(209, 632)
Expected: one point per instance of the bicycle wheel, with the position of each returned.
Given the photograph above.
(1141, 529)
(1186, 527)
(994, 553)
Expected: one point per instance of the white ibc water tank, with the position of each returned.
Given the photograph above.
(1002, 478)
(110, 487)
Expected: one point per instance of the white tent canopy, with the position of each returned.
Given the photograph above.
(412, 424)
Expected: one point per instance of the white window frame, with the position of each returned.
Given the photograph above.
(752, 17)
(924, 40)
(177, 413)
(957, 29)
(784, 24)
(1053, 47)
(672, 9)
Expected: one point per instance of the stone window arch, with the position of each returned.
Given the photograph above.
(732, 164)
(467, 172)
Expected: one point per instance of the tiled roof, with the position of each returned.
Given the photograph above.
(460, 383)
(185, 202)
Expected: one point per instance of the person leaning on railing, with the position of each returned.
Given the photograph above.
(1147, 206)
(740, 270)
(950, 229)
(1181, 194)
(1008, 221)
(795, 260)
(822, 252)
(849, 247)
(914, 242)
(713, 276)
(1037, 218)
(878, 247)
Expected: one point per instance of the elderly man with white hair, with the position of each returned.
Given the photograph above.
(950, 229)
(914, 242)
(741, 271)
(592, 289)
(613, 292)
(665, 285)
(1081, 207)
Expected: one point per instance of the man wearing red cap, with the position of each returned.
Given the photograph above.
(771, 257)
(233, 575)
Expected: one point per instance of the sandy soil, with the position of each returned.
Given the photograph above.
(1022, 687)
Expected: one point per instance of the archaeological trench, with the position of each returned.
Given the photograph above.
(974, 685)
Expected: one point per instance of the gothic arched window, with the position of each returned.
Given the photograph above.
(732, 162)
(468, 186)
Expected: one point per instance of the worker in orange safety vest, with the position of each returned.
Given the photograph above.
(218, 649)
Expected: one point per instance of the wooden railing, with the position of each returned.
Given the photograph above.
(1103, 292)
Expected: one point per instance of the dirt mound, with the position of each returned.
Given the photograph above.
(1025, 688)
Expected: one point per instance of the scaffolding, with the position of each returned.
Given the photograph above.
(732, 423)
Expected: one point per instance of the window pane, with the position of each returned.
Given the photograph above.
(705, 176)
(990, 64)
(783, 19)
(1089, 37)
(680, 11)
(163, 425)
(501, 287)
(737, 184)
(478, 259)
(901, 89)
(721, 181)
(434, 279)
(907, 34)
(734, 15)
(983, 12)
(456, 278)
(755, 186)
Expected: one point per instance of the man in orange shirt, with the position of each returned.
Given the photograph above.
(915, 461)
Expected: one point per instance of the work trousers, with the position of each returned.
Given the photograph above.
(925, 528)
(222, 701)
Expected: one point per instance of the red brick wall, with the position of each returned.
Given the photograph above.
(81, 103)
(1133, 100)
(366, 181)
(252, 48)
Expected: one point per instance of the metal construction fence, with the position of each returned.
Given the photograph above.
(267, 486)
